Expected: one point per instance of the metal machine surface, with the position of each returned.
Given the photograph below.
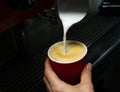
(99, 30)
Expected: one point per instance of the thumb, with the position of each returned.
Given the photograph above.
(86, 74)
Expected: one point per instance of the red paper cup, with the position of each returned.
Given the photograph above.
(69, 71)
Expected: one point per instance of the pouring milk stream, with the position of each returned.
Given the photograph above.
(69, 12)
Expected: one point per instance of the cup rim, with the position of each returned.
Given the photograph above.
(70, 61)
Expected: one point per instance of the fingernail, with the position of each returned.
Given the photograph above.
(89, 66)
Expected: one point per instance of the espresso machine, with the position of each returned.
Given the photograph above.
(26, 39)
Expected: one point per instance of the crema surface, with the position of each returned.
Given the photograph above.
(74, 52)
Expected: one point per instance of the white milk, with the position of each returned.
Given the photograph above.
(68, 19)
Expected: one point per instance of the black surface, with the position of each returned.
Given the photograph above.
(22, 4)
(106, 76)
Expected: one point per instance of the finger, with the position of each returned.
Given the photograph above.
(47, 84)
(50, 74)
(86, 74)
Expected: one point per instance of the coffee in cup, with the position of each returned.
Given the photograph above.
(68, 62)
